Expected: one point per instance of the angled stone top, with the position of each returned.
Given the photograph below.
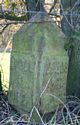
(39, 28)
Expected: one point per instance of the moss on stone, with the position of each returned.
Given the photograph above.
(38, 55)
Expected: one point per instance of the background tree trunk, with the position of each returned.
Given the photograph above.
(34, 5)
(65, 7)
(73, 78)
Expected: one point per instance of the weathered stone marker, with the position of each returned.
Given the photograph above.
(38, 60)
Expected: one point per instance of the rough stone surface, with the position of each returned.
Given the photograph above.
(38, 60)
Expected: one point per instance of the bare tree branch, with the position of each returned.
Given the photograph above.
(4, 28)
(8, 16)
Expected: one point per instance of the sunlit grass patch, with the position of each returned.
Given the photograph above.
(5, 69)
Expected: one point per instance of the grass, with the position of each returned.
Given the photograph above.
(68, 114)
